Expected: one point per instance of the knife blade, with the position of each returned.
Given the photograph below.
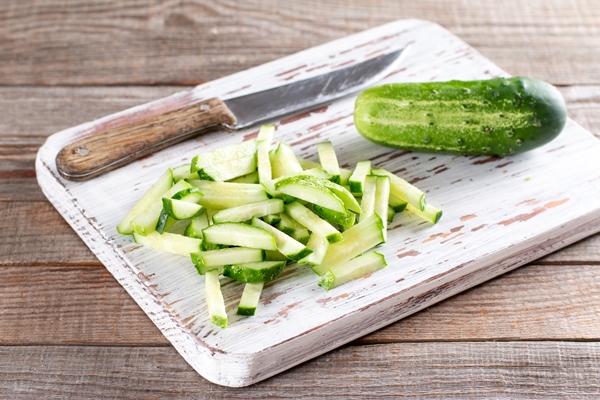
(115, 147)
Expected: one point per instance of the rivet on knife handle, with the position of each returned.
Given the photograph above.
(110, 149)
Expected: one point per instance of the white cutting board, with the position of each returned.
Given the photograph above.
(499, 213)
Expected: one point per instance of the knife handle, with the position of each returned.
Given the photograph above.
(115, 147)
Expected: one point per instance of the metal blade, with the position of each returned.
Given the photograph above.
(268, 104)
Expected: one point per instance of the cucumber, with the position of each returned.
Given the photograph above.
(353, 269)
(196, 225)
(228, 169)
(238, 234)
(345, 219)
(494, 117)
(367, 203)
(247, 211)
(213, 259)
(272, 219)
(312, 191)
(286, 245)
(250, 298)
(221, 195)
(403, 190)
(382, 195)
(357, 179)
(264, 140)
(329, 160)
(313, 222)
(169, 242)
(223, 154)
(293, 228)
(286, 161)
(319, 245)
(180, 209)
(252, 272)
(252, 177)
(431, 213)
(214, 299)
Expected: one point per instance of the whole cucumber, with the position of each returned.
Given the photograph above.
(496, 117)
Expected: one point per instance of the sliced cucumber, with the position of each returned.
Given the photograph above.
(145, 223)
(252, 272)
(346, 219)
(213, 259)
(403, 190)
(274, 255)
(252, 177)
(329, 161)
(318, 244)
(264, 140)
(169, 242)
(345, 175)
(165, 221)
(154, 193)
(382, 196)
(287, 161)
(291, 227)
(353, 269)
(180, 209)
(221, 195)
(183, 172)
(276, 169)
(308, 164)
(196, 225)
(247, 211)
(313, 222)
(214, 299)
(362, 237)
(312, 190)
(286, 245)
(238, 234)
(431, 213)
(191, 195)
(367, 203)
(228, 169)
(250, 298)
(272, 219)
(357, 179)
(222, 154)
(396, 203)
(390, 214)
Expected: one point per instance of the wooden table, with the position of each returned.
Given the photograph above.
(69, 330)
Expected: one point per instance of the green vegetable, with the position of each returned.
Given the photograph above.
(493, 117)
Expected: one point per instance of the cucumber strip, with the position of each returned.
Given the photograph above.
(382, 195)
(367, 203)
(154, 193)
(345, 175)
(403, 190)
(180, 209)
(178, 227)
(313, 222)
(311, 190)
(165, 221)
(169, 242)
(290, 227)
(301, 234)
(252, 272)
(390, 214)
(305, 163)
(270, 185)
(362, 237)
(145, 223)
(250, 298)
(329, 161)
(222, 154)
(353, 269)
(397, 204)
(272, 219)
(286, 245)
(357, 179)
(431, 214)
(341, 192)
(221, 195)
(264, 140)
(214, 299)
(319, 245)
(346, 219)
(212, 259)
(238, 234)
(229, 169)
(252, 177)
(274, 255)
(288, 163)
(196, 225)
(276, 169)
(182, 172)
(191, 194)
(247, 211)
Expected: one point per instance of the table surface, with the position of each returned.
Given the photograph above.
(68, 329)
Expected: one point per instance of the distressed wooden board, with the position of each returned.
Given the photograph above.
(499, 213)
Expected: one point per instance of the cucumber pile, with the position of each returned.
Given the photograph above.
(245, 211)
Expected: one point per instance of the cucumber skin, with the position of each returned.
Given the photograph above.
(494, 117)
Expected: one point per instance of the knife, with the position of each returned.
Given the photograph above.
(115, 147)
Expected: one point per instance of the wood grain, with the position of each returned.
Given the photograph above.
(515, 370)
(51, 305)
(66, 42)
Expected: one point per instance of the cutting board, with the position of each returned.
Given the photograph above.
(499, 213)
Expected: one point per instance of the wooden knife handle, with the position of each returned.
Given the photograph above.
(118, 146)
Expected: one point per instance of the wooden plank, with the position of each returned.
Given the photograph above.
(85, 305)
(182, 43)
(516, 370)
